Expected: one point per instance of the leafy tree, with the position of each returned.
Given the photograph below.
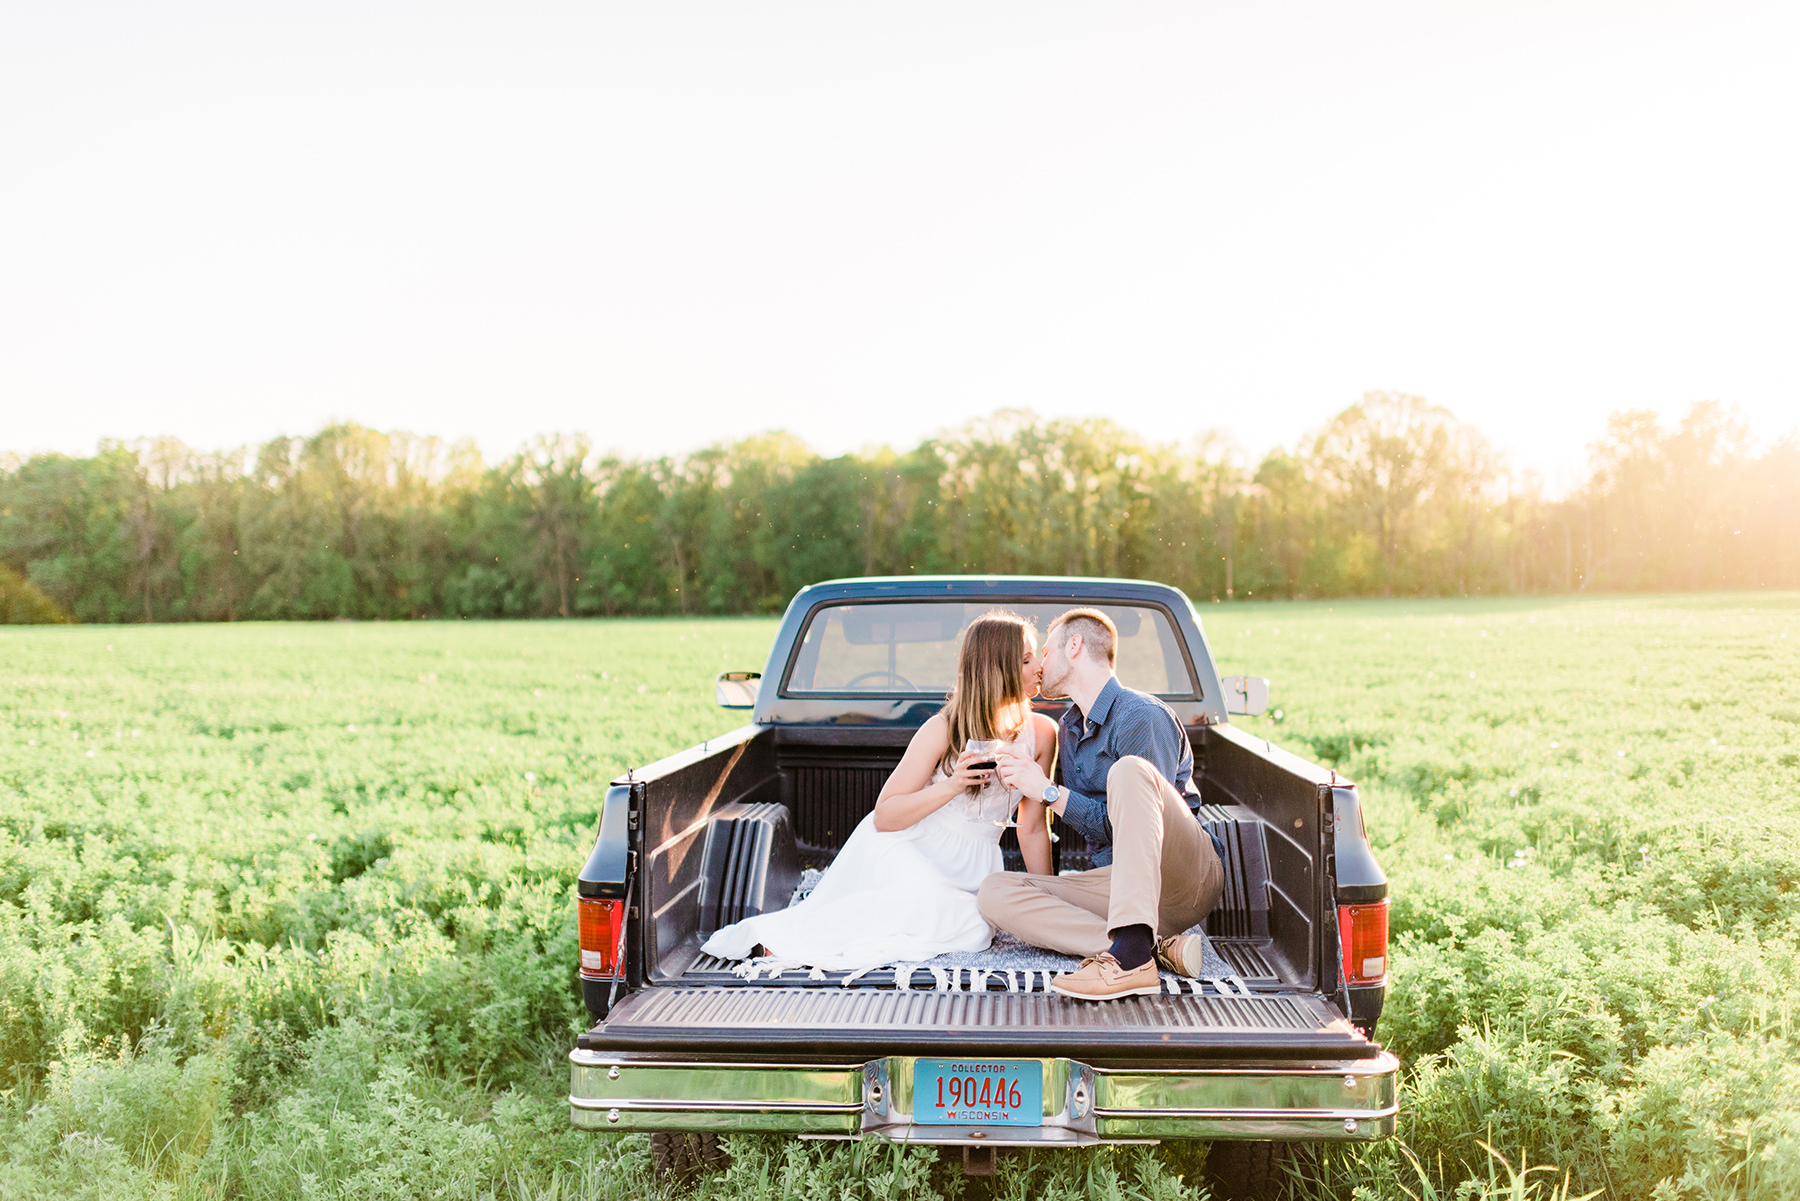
(1286, 523)
(550, 492)
(207, 548)
(1200, 499)
(64, 524)
(631, 566)
(1395, 465)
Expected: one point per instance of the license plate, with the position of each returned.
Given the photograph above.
(983, 1092)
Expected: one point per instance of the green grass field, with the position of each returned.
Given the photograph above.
(285, 910)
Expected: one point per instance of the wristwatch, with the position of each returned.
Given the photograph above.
(1052, 794)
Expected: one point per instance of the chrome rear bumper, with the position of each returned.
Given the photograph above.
(1349, 1100)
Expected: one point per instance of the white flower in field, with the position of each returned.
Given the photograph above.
(312, 838)
(490, 750)
(1448, 857)
(137, 733)
(530, 777)
(1514, 792)
(351, 728)
(1279, 715)
(1621, 754)
(32, 742)
(90, 754)
(643, 688)
(1554, 745)
(537, 692)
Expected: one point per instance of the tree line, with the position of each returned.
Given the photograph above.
(1394, 496)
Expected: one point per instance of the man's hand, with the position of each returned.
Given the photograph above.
(1023, 773)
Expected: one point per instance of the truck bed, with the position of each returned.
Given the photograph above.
(818, 783)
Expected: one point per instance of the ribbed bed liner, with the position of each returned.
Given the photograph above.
(870, 1021)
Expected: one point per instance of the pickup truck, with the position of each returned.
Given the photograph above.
(1270, 1048)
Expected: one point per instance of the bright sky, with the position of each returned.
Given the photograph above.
(666, 224)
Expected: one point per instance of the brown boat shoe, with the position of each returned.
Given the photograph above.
(1100, 978)
(1182, 954)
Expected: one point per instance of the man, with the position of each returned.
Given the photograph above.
(1125, 765)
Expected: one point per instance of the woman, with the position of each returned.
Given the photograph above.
(903, 888)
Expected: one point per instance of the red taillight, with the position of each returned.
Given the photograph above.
(601, 922)
(1362, 931)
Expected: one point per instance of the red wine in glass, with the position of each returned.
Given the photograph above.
(984, 746)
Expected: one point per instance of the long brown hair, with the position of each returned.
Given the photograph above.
(990, 680)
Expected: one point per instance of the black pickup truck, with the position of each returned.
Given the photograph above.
(1270, 1048)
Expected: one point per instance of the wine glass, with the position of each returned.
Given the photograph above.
(989, 750)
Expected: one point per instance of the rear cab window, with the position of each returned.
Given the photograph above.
(908, 648)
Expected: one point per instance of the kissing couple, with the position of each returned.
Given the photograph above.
(923, 874)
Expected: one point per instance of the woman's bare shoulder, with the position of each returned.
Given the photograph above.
(934, 733)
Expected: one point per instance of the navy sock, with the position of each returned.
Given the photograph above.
(1133, 946)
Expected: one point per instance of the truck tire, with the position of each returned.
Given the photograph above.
(1246, 1170)
(681, 1156)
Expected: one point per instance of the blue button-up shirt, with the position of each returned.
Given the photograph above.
(1122, 722)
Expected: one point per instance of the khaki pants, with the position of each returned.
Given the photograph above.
(1165, 874)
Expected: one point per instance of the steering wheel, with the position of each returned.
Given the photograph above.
(905, 684)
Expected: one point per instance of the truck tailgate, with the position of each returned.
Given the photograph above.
(867, 1022)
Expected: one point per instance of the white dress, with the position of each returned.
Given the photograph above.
(897, 896)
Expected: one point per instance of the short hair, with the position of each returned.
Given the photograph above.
(1099, 636)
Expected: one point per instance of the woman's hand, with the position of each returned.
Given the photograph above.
(967, 775)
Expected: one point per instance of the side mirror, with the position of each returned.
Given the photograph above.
(1246, 695)
(738, 689)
